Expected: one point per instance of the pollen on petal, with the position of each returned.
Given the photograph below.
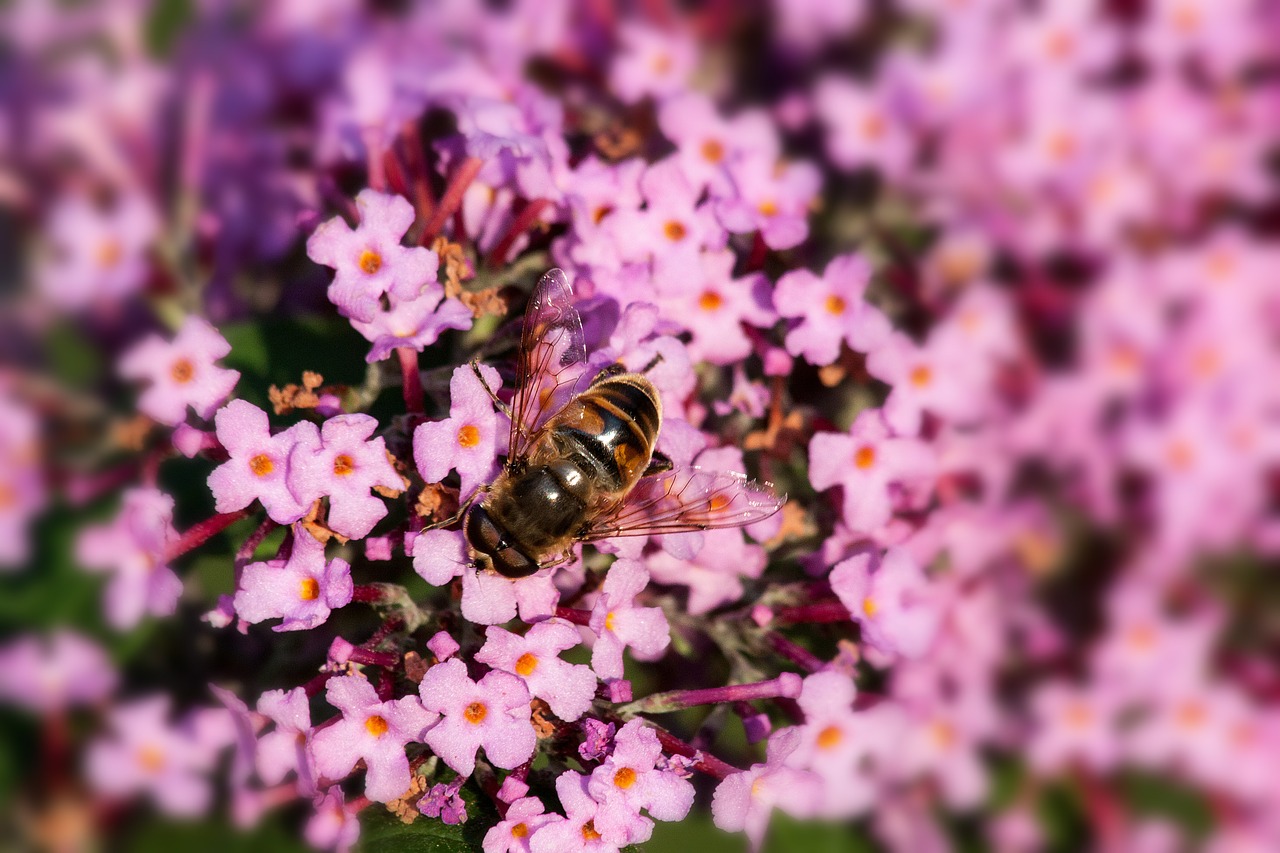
(527, 663)
(608, 622)
(589, 831)
(468, 436)
(376, 726)
(151, 758)
(520, 830)
(182, 371)
(768, 207)
(624, 778)
(109, 254)
(370, 261)
(309, 589)
(261, 465)
(343, 465)
(475, 713)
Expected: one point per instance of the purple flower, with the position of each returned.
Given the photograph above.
(22, 489)
(371, 730)
(492, 713)
(651, 62)
(259, 463)
(940, 377)
(744, 801)
(513, 833)
(466, 441)
(862, 129)
(866, 463)
(576, 830)
(629, 780)
(445, 802)
(301, 590)
(133, 548)
(832, 309)
(839, 745)
(344, 463)
(416, 323)
(335, 825)
(286, 748)
(618, 623)
(597, 739)
(369, 260)
(771, 197)
(53, 672)
(145, 754)
(99, 255)
(181, 372)
(889, 596)
(707, 142)
(714, 306)
(568, 688)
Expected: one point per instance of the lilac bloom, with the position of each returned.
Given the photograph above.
(714, 305)
(938, 377)
(568, 688)
(259, 464)
(133, 548)
(1074, 725)
(807, 25)
(867, 463)
(673, 228)
(415, 323)
(98, 255)
(714, 575)
(146, 754)
(369, 260)
(371, 730)
(439, 556)
(706, 141)
(744, 801)
(513, 833)
(467, 440)
(863, 130)
(771, 197)
(22, 488)
(831, 309)
(181, 372)
(335, 825)
(286, 748)
(597, 739)
(651, 62)
(445, 802)
(344, 463)
(837, 744)
(301, 590)
(492, 713)
(889, 596)
(489, 598)
(618, 623)
(576, 830)
(51, 673)
(631, 780)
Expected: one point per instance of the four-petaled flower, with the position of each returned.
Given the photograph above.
(630, 780)
(567, 687)
(259, 463)
(467, 440)
(301, 590)
(181, 372)
(618, 623)
(889, 596)
(492, 713)
(343, 463)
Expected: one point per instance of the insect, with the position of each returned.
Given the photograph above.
(581, 466)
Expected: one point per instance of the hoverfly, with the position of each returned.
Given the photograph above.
(581, 465)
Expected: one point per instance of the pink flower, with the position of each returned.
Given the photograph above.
(651, 62)
(492, 713)
(260, 464)
(889, 596)
(334, 825)
(831, 310)
(286, 748)
(181, 372)
(344, 463)
(714, 305)
(1073, 724)
(22, 488)
(744, 801)
(301, 590)
(707, 142)
(99, 255)
(629, 780)
(576, 829)
(369, 260)
(371, 730)
(838, 745)
(568, 688)
(939, 377)
(863, 130)
(133, 548)
(618, 623)
(415, 323)
(772, 197)
(467, 440)
(513, 834)
(714, 575)
(53, 672)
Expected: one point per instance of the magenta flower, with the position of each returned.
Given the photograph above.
(492, 713)
(286, 748)
(629, 780)
(415, 323)
(467, 440)
(133, 549)
(744, 801)
(867, 463)
(259, 464)
(50, 673)
(343, 463)
(512, 834)
(618, 623)
(889, 596)
(335, 825)
(301, 590)
(147, 755)
(99, 254)
(576, 829)
(371, 730)
(444, 801)
(568, 688)
(181, 372)
(832, 310)
(369, 260)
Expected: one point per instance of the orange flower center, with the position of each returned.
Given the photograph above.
(468, 436)
(1142, 637)
(873, 126)
(109, 254)
(865, 457)
(1181, 456)
(624, 778)
(835, 305)
(343, 465)
(601, 212)
(1079, 715)
(527, 663)
(8, 496)
(608, 622)
(921, 376)
(589, 831)
(182, 371)
(475, 713)
(376, 726)
(768, 207)
(830, 737)
(869, 607)
(151, 758)
(943, 734)
(712, 151)
(1191, 715)
(662, 63)
(520, 830)
(261, 465)
(675, 231)
(710, 300)
(309, 589)
(370, 261)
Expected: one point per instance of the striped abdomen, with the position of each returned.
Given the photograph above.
(609, 430)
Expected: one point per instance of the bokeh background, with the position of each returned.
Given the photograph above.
(1042, 297)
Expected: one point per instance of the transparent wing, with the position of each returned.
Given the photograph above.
(686, 500)
(552, 354)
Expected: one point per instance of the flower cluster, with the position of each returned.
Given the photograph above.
(984, 288)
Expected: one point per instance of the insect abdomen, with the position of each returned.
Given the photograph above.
(612, 427)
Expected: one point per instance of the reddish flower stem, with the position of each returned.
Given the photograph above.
(462, 177)
(755, 261)
(411, 380)
(315, 685)
(574, 615)
(245, 552)
(822, 611)
(786, 685)
(703, 761)
(522, 222)
(203, 531)
(799, 656)
(368, 593)
(424, 200)
(386, 660)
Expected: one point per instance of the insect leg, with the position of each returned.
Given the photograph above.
(658, 463)
(502, 407)
(462, 510)
(653, 362)
(612, 370)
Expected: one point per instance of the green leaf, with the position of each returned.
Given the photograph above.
(211, 836)
(382, 832)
